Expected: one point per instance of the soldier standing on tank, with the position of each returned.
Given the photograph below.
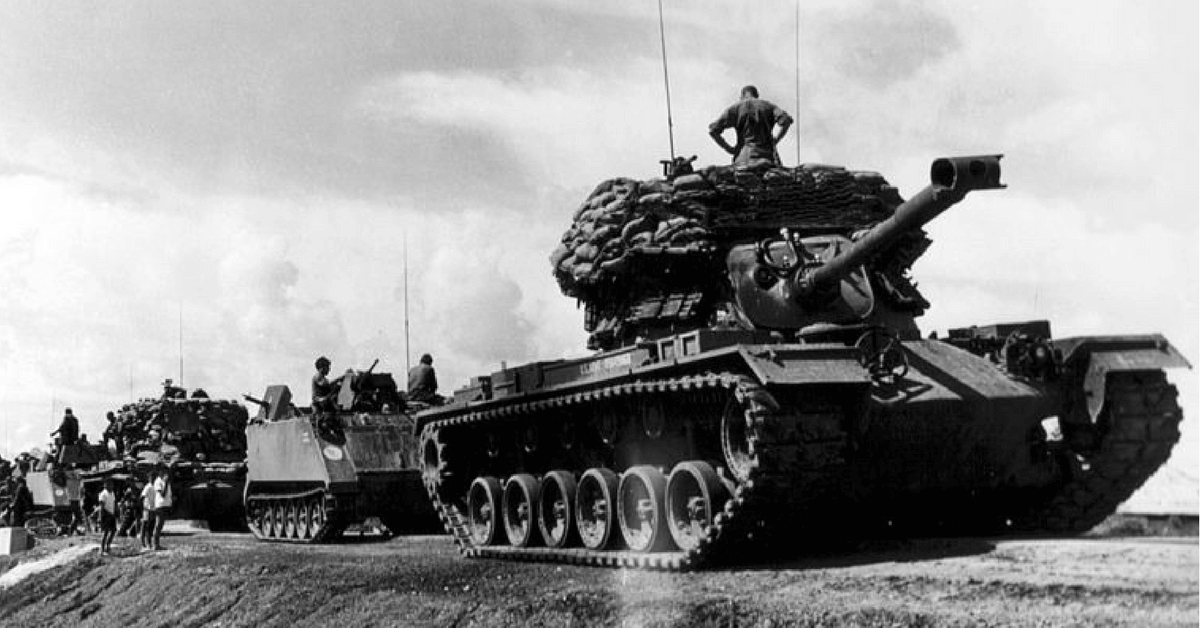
(754, 121)
(422, 382)
(68, 430)
(113, 433)
(324, 390)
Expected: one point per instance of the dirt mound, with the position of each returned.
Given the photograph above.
(232, 580)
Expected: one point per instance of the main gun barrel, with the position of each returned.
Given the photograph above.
(950, 180)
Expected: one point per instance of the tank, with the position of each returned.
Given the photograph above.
(202, 440)
(760, 388)
(312, 473)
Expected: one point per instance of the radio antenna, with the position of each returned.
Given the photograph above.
(797, 82)
(181, 344)
(662, 37)
(407, 353)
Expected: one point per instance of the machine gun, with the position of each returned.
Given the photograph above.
(367, 391)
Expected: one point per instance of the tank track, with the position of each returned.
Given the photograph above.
(795, 459)
(270, 523)
(1142, 422)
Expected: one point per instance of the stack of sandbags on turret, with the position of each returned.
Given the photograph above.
(179, 428)
(697, 214)
(620, 216)
(645, 253)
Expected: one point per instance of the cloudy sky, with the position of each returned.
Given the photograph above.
(255, 170)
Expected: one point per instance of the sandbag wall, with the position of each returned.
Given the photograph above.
(199, 429)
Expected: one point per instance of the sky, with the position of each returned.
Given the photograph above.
(239, 187)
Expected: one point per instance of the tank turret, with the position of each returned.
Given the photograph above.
(783, 249)
(792, 282)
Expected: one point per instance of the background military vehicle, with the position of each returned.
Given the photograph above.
(762, 385)
(57, 501)
(201, 440)
(312, 473)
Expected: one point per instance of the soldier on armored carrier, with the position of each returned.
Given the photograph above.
(324, 390)
(754, 120)
(422, 382)
(68, 430)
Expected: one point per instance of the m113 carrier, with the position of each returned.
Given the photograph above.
(313, 472)
(761, 385)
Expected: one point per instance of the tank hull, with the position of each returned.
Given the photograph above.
(736, 449)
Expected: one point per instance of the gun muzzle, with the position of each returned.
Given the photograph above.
(950, 180)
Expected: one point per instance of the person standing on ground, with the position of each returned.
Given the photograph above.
(128, 507)
(147, 513)
(422, 382)
(754, 121)
(163, 500)
(22, 503)
(108, 516)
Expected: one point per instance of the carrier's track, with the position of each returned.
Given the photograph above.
(303, 517)
(795, 456)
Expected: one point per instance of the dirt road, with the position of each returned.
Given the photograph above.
(232, 580)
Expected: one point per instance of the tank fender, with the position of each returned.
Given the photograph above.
(1094, 357)
(804, 364)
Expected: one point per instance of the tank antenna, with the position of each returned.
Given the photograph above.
(181, 344)
(407, 353)
(666, 80)
(797, 82)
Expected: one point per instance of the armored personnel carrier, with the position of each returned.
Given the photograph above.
(313, 472)
(761, 386)
(57, 500)
(202, 440)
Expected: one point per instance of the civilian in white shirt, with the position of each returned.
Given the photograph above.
(108, 516)
(147, 513)
(163, 499)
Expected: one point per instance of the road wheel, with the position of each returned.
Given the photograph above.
(736, 441)
(317, 516)
(596, 508)
(694, 495)
(641, 509)
(483, 510)
(290, 520)
(556, 502)
(41, 527)
(520, 504)
(270, 524)
(305, 513)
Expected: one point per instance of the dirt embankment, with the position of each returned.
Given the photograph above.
(232, 580)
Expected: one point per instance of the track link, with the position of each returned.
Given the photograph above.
(1141, 418)
(795, 459)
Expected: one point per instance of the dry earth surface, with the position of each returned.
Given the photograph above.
(205, 579)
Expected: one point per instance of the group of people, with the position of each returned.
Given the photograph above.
(422, 384)
(136, 512)
(139, 510)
